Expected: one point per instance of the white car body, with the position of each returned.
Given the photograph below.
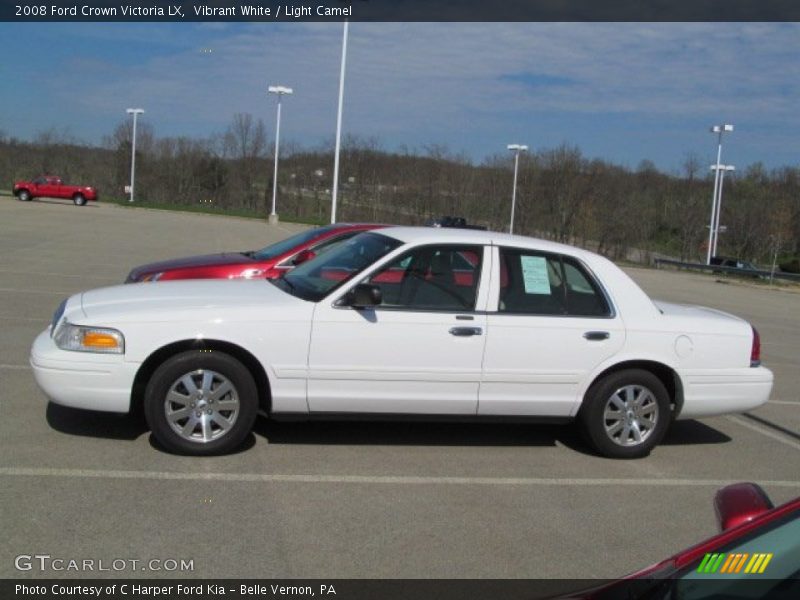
(323, 358)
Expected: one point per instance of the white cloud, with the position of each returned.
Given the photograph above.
(435, 79)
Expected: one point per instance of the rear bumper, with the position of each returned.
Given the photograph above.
(82, 380)
(724, 391)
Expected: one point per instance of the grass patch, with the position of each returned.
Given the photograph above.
(208, 209)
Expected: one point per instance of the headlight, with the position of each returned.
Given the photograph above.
(152, 276)
(248, 274)
(81, 338)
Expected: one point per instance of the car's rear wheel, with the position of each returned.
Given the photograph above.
(79, 199)
(24, 195)
(201, 402)
(626, 414)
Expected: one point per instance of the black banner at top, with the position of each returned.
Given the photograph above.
(399, 10)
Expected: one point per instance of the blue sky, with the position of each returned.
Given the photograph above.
(621, 92)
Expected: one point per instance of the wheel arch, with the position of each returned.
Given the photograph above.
(155, 359)
(666, 374)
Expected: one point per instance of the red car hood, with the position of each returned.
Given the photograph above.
(226, 258)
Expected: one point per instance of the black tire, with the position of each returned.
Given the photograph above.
(24, 195)
(169, 379)
(79, 200)
(615, 392)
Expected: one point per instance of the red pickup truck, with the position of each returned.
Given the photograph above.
(50, 186)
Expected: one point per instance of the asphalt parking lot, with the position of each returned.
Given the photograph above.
(343, 500)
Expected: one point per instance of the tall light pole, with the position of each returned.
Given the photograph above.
(719, 130)
(135, 112)
(516, 149)
(720, 174)
(335, 193)
(278, 90)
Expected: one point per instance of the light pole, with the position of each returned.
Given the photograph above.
(135, 112)
(278, 90)
(720, 174)
(335, 191)
(516, 149)
(719, 130)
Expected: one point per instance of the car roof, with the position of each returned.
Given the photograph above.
(476, 236)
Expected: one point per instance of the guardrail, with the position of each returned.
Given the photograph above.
(761, 274)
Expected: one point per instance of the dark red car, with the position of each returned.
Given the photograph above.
(756, 555)
(51, 186)
(268, 263)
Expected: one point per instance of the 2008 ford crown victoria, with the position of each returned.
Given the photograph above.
(406, 321)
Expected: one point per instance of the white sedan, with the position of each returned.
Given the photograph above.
(403, 322)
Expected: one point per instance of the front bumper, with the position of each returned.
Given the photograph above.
(724, 391)
(82, 380)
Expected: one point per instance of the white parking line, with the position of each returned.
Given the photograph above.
(370, 479)
(784, 402)
(15, 367)
(764, 431)
(17, 318)
(48, 292)
(41, 274)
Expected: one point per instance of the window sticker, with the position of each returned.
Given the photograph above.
(534, 275)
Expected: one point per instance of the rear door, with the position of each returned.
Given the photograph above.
(550, 324)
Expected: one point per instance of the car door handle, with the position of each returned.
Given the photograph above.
(596, 336)
(465, 331)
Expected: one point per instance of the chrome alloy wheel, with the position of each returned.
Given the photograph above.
(630, 415)
(201, 406)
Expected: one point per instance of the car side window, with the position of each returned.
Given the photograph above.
(537, 283)
(442, 278)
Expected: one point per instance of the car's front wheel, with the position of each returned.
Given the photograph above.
(79, 199)
(625, 414)
(201, 402)
(24, 195)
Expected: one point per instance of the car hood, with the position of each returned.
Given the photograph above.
(201, 299)
(203, 260)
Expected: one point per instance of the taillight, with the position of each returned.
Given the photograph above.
(755, 351)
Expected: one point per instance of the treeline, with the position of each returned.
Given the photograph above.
(561, 195)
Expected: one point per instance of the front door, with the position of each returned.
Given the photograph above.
(419, 351)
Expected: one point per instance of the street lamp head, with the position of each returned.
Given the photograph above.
(134, 111)
(721, 128)
(517, 147)
(279, 89)
(723, 167)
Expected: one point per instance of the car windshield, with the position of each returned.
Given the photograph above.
(771, 551)
(291, 242)
(316, 278)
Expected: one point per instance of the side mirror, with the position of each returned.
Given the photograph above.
(364, 295)
(303, 256)
(739, 503)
